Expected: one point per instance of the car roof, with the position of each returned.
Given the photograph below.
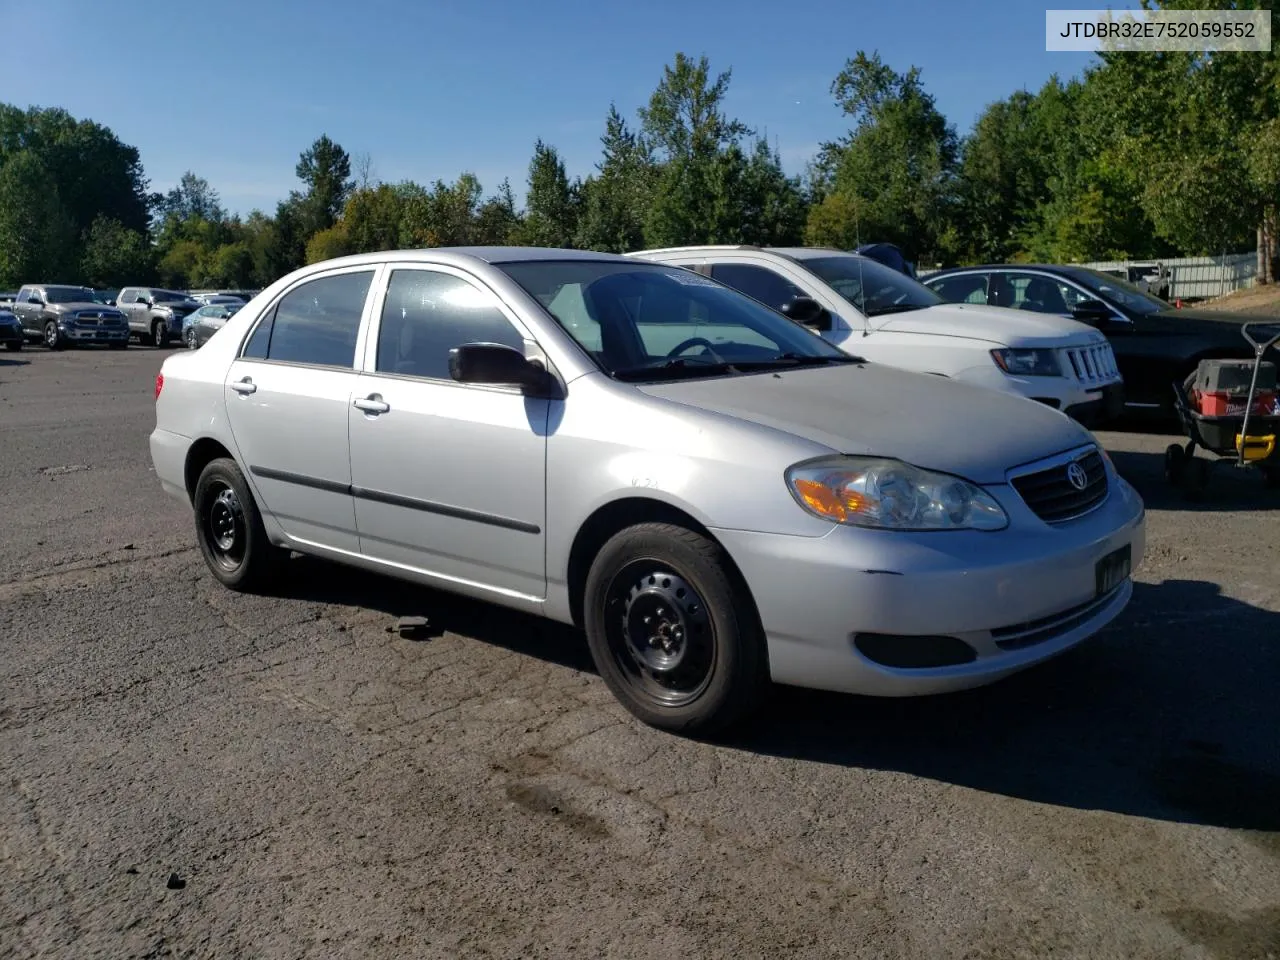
(494, 254)
(795, 253)
(1052, 267)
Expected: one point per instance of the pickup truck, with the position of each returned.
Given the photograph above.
(62, 315)
(155, 315)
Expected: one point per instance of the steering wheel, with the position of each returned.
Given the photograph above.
(684, 345)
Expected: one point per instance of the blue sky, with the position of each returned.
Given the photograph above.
(235, 90)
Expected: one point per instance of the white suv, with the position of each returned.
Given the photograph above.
(872, 310)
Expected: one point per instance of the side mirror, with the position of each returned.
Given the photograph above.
(495, 363)
(809, 312)
(1093, 312)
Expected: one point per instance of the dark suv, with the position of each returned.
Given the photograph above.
(62, 315)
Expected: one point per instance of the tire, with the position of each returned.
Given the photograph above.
(229, 529)
(160, 334)
(1175, 462)
(1197, 477)
(53, 336)
(189, 338)
(13, 346)
(706, 660)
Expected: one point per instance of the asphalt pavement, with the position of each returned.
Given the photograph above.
(188, 772)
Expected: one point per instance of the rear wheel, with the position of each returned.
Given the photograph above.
(672, 631)
(1197, 477)
(229, 529)
(190, 338)
(1175, 459)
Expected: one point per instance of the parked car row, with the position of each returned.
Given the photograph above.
(64, 315)
(717, 496)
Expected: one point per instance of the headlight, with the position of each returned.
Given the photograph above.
(891, 495)
(1028, 363)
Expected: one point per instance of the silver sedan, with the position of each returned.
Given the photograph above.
(716, 496)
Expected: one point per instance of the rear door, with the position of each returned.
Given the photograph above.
(287, 397)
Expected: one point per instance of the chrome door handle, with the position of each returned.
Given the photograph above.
(244, 387)
(371, 404)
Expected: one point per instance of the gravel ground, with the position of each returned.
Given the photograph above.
(188, 772)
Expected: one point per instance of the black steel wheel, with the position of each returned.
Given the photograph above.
(672, 630)
(53, 336)
(229, 529)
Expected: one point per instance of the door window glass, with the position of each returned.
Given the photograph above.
(427, 314)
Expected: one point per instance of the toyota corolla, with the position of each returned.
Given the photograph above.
(718, 498)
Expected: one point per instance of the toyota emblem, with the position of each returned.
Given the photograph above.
(1077, 475)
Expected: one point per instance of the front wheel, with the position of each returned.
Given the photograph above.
(672, 631)
(229, 529)
(160, 334)
(53, 336)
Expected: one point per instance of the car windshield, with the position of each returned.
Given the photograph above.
(870, 286)
(653, 322)
(1121, 292)
(67, 295)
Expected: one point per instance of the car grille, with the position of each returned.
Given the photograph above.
(1054, 498)
(1096, 364)
(90, 318)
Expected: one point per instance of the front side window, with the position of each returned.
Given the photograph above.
(870, 286)
(316, 323)
(426, 314)
(759, 283)
(643, 321)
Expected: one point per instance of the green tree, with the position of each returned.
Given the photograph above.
(115, 256)
(552, 203)
(615, 200)
(326, 170)
(697, 148)
(895, 168)
(328, 243)
(193, 197)
(37, 236)
(497, 221)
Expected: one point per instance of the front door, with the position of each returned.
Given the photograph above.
(449, 479)
(287, 397)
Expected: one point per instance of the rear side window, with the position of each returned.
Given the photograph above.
(966, 288)
(427, 314)
(316, 323)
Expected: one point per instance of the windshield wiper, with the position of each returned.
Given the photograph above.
(795, 360)
(674, 369)
(894, 308)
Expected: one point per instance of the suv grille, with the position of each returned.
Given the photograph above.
(1052, 495)
(1093, 364)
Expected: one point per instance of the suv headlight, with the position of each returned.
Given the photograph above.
(891, 495)
(1028, 363)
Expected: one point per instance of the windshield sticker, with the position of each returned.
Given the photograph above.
(691, 279)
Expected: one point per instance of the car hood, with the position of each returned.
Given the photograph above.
(85, 305)
(940, 424)
(1192, 320)
(1000, 325)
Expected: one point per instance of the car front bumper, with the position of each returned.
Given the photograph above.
(94, 334)
(1011, 598)
(10, 332)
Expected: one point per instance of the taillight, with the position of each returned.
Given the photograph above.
(159, 384)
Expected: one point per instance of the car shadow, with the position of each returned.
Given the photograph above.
(1230, 488)
(10, 362)
(1170, 713)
